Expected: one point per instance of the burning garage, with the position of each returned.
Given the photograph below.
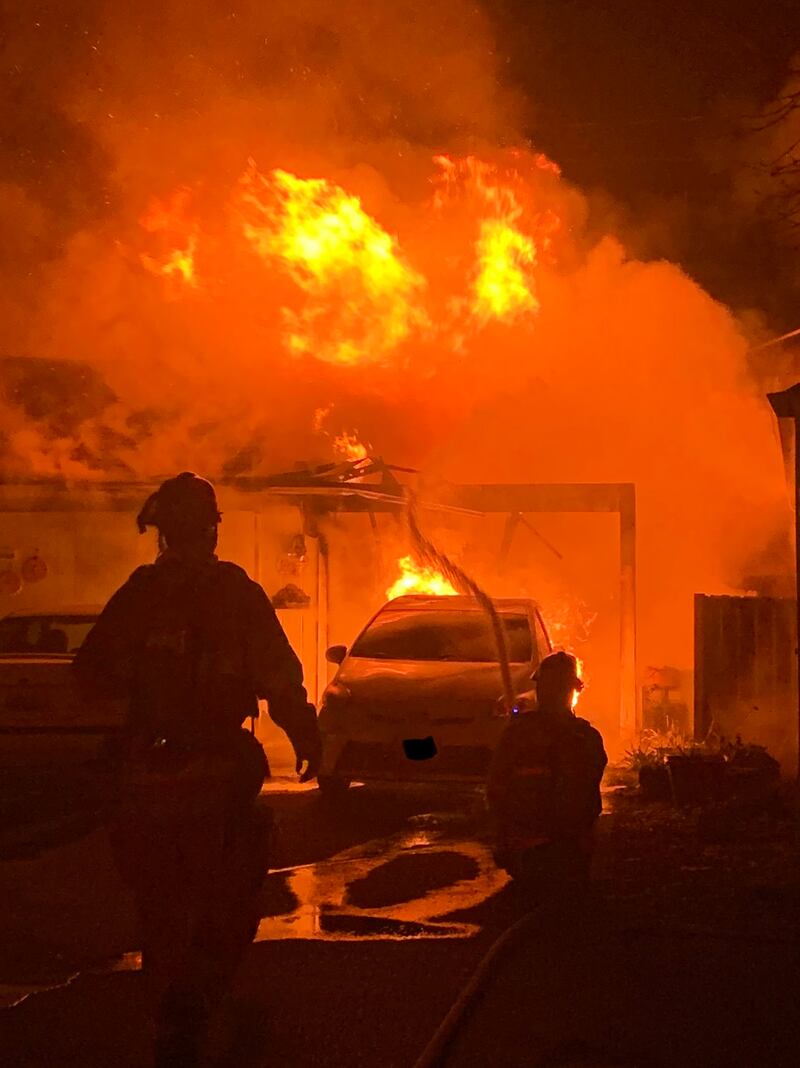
(287, 314)
(331, 544)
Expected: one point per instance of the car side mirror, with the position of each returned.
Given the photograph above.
(336, 654)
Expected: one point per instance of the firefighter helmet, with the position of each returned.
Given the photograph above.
(560, 666)
(185, 503)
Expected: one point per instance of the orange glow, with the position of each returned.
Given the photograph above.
(568, 619)
(576, 694)
(472, 319)
(178, 264)
(320, 415)
(361, 297)
(416, 579)
(168, 221)
(349, 447)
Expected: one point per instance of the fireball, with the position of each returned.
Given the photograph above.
(361, 298)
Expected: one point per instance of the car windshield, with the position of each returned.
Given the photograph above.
(43, 634)
(443, 635)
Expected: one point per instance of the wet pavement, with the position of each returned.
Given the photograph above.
(383, 883)
(401, 884)
(376, 913)
(380, 864)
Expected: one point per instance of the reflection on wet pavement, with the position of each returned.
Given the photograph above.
(16, 993)
(12, 994)
(402, 887)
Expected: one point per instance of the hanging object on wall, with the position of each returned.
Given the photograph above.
(290, 596)
(297, 547)
(294, 556)
(10, 582)
(34, 569)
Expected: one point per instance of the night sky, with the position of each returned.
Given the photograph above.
(623, 90)
(648, 101)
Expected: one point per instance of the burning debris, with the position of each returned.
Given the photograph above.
(349, 447)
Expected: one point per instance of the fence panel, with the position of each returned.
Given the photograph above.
(744, 672)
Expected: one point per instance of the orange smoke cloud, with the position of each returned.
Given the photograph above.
(385, 256)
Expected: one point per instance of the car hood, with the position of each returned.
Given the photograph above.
(393, 682)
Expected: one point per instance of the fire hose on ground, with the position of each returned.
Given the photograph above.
(436, 1052)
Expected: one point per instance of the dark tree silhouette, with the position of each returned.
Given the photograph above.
(784, 169)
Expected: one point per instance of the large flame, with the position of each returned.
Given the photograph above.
(503, 289)
(576, 694)
(358, 298)
(417, 579)
(505, 250)
(361, 297)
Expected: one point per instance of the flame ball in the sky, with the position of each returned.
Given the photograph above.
(357, 297)
(361, 297)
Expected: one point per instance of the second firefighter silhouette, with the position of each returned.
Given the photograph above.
(544, 786)
(190, 644)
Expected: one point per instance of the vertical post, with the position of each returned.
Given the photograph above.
(322, 614)
(786, 405)
(796, 449)
(257, 578)
(629, 696)
(376, 533)
(257, 547)
(700, 719)
(509, 529)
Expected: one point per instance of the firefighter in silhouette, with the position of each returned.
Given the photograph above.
(544, 786)
(190, 644)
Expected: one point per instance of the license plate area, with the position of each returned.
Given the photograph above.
(419, 748)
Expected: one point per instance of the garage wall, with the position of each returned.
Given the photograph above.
(89, 554)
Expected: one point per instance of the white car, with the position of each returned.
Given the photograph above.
(42, 720)
(418, 696)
